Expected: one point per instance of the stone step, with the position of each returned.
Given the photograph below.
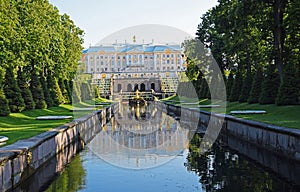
(248, 112)
(53, 117)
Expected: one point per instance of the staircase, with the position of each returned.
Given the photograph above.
(169, 84)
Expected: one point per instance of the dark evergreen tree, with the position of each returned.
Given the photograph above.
(236, 88)
(69, 90)
(58, 92)
(288, 90)
(247, 84)
(51, 88)
(37, 92)
(270, 86)
(76, 94)
(13, 92)
(47, 95)
(229, 84)
(86, 93)
(204, 92)
(25, 91)
(4, 108)
(256, 87)
(63, 90)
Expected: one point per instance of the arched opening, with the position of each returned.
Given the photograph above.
(129, 87)
(143, 87)
(153, 86)
(136, 87)
(119, 87)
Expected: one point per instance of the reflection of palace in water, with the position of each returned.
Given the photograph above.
(141, 133)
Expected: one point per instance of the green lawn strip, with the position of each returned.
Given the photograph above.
(23, 125)
(287, 116)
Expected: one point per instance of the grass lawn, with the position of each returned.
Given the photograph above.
(287, 116)
(23, 125)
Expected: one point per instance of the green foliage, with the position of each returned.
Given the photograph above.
(13, 92)
(25, 91)
(229, 84)
(51, 88)
(86, 91)
(236, 88)
(4, 108)
(63, 89)
(37, 92)
(59, 95)
(69, 90)
(35, 37)
(247, 84)
(204, 90)
(47, 95)
(269, 86)
(256, 87)
(76, 94)
(288, 90)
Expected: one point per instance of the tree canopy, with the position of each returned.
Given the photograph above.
(36, 40)
(249, 36)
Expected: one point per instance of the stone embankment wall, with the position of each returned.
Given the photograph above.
(280, 140)
(20, 160)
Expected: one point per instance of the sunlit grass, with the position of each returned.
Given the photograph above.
(287, 116)
(24, 125)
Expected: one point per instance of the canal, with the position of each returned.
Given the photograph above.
(144, 149)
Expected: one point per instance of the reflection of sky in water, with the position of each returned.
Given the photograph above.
(129, 141)
(172, 176)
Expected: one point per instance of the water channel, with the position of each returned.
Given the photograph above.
(144, 149)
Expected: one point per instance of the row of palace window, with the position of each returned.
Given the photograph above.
(101, 57)
(119, 69)
(135, 62)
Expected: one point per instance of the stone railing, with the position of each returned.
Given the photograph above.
(281, 140)
(20, 160)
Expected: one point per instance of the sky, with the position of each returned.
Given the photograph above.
(101, 18)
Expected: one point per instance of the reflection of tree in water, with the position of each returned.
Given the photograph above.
(71, 179)
(223, 170)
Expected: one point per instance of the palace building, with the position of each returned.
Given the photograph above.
(121, 69)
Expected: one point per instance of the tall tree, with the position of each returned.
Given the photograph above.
(270, 86)
(256, 87)
(37, 92)
(25, 91)
(288, 90)
(4, 108)
(13, 92)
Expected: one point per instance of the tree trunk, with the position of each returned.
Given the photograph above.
(279, 34)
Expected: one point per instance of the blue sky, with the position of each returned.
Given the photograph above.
(100, 18)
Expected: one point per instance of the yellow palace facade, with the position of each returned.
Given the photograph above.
(121, 68)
